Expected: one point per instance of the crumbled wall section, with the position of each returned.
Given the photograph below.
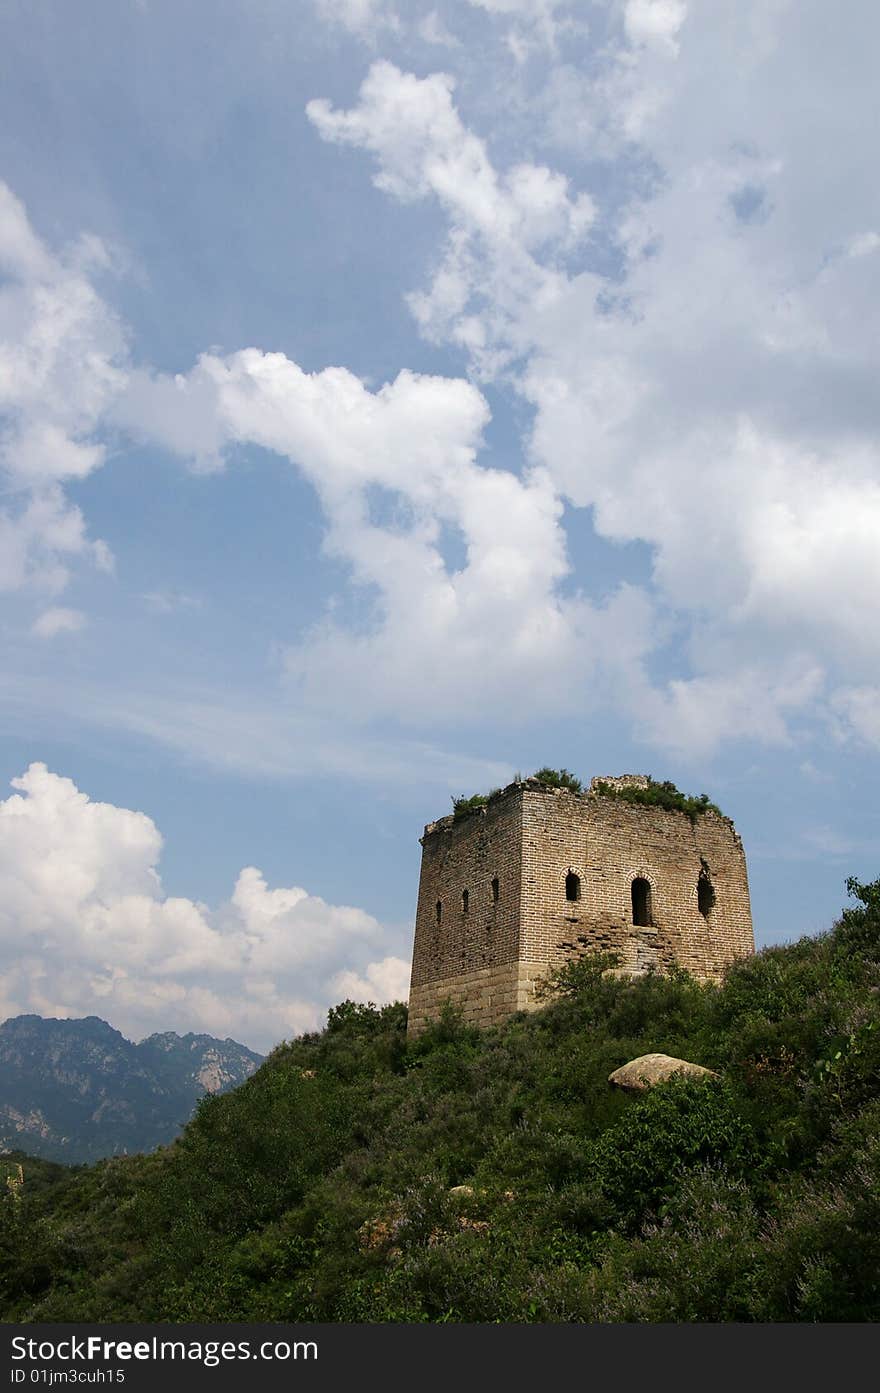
(487, 957)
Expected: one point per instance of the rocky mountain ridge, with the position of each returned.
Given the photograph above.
(77, 1090)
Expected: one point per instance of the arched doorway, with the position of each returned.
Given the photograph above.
(641, 902)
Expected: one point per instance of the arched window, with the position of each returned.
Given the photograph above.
(496, 889)
(705, 895)
(464, 901)
(439, 910)
(641, 902)
(572, 886)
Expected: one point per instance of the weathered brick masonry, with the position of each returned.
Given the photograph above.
(542, 874)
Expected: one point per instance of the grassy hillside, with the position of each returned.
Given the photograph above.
(326, 1186)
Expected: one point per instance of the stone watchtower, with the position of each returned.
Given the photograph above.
(541, 874)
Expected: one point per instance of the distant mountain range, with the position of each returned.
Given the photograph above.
(77, 1090)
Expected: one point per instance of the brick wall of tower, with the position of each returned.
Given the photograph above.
(471, 956)
(607, 843)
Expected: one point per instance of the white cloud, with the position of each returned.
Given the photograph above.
(654, 22)
(62, 360)
(79, 886)
(508, 233)
(712, 395)
(396, 471)
(58, 621)
(716, 397)
(39, 532)
(387, 980)
(692, 717)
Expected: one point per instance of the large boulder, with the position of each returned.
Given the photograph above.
(642, 1073)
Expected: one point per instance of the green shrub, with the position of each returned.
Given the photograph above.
(464, 806)
(675, 1127)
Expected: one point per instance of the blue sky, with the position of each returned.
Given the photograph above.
(396, 397)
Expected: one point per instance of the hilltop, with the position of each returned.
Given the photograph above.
(497, 1176)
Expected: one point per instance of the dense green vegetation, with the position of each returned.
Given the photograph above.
(656, 795)
(326, 1186)
(662, 795)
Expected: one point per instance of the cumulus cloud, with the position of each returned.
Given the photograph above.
(397, 474)
(387, 980)
(79, 885)
(694, 333)
(62, 361)
(714, 396)
(508, 232)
